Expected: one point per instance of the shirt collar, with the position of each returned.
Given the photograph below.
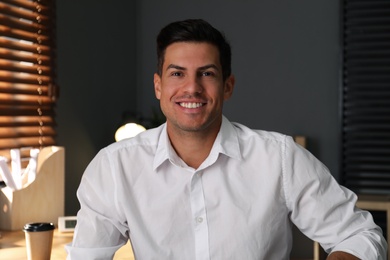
(164, 148)
(226, 143)
(227, 140)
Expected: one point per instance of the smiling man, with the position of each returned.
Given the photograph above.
(191, 88)
(201, 187)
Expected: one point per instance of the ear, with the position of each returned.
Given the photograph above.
(228, 87)
(157, 86)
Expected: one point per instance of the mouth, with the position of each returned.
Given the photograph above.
(191, 104)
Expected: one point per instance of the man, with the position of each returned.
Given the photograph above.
(201, 187)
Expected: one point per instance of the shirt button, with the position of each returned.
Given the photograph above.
(199, 219)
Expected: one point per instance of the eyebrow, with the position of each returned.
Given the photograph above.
(173, 66)
(210, 66)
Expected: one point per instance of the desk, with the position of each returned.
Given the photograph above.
(13, 246)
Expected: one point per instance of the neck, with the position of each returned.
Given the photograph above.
(192, 147)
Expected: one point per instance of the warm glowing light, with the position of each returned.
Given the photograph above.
(128, 130)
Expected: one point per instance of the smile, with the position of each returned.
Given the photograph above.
(190, 105)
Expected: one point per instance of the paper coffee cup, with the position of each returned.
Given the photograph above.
(39, 239)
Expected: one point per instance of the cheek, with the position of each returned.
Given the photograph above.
(168, 91)
(164, 96)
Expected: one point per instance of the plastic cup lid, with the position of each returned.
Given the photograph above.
(34, 227)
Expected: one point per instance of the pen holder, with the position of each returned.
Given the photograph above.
(41, 201)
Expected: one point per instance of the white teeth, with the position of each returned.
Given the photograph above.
(191, 105)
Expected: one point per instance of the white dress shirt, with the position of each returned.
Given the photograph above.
(239, 204)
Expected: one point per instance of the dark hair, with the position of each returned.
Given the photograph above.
(194, 30)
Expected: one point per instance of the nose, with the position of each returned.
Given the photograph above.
(193, 85)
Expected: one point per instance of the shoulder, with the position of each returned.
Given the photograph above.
(246, 134)
(147, 140)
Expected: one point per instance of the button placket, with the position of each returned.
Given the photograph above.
(198, 208)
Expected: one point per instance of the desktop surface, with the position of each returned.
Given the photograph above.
(13, 246)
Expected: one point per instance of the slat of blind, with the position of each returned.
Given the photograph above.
(24, 78)
(362, 93)
(7, 87)
(27, 36)
(22, 25)
(365, 4)
(30, 57)
(44, 5)
(11, 132)
(24, 46)
(372, 86)
(29, 4)
(20, 110)
(24, 67)
(26, 120)
(9, 143)
(24, 99)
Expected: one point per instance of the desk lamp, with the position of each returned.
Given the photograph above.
(130, 126)
(133, 124)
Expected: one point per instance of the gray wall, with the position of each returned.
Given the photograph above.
(96, 74)
(286, 59)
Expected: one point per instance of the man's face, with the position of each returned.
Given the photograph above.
(191, 89)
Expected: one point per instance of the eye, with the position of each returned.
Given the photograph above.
(176, 74)
(207, 73)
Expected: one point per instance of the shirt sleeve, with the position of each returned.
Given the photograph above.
(99, 232)
(324, 210)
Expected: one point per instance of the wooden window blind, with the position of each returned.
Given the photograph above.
(366, 96)
(28, 89)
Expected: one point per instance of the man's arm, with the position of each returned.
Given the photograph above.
(341, 256)
(336, 223)
(99, 232)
